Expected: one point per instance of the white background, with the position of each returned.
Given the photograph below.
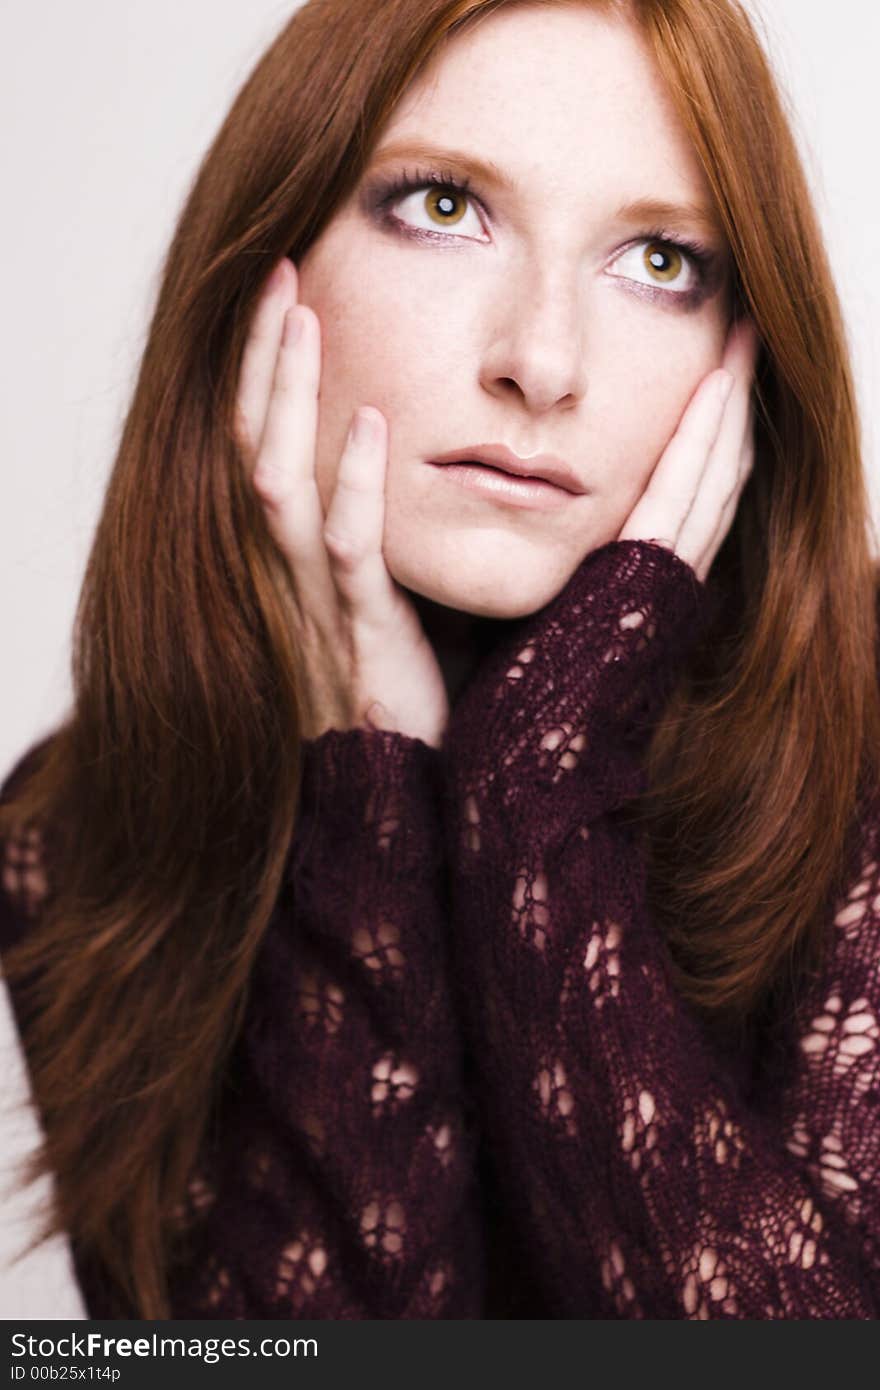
(106, 109)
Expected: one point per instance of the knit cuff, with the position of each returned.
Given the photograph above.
(371, 797)
(583, 679)
(644, 608)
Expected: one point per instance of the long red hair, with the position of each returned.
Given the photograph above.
(167, 799)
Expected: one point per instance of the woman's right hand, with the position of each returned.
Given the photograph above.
(366, 657)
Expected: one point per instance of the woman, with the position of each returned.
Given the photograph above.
(449, 896)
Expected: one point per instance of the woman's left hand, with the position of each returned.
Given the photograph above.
(692, 495)
(534, 704)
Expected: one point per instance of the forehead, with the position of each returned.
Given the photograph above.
(555, 93)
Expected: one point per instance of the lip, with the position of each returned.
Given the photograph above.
(505, 489)
(544, 467)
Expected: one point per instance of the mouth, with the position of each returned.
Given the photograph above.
(497, 485)
(495, 468)
(502, 460)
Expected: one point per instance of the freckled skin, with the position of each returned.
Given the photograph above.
(526, 328)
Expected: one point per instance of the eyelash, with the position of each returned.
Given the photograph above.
(404, 183)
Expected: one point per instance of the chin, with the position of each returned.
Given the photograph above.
(480, 589)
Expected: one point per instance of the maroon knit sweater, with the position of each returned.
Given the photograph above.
(465, 1086)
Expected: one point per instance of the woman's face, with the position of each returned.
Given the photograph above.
(535, 311)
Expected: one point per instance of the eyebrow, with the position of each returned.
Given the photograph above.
(492, 176)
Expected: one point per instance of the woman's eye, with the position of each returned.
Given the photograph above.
(434, 207)
(438, 208)
(662, 264)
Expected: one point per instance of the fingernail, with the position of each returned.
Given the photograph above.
(724, 387)
(278, 276)
(363, 428)
(293, 326)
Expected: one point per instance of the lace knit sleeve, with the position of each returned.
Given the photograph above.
(643, 1176)
(338, 1180)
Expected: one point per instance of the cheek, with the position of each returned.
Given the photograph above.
(378, 349)
(640, 396)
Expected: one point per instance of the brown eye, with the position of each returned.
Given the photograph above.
(427, 207)
(667, 267)
(441, 202)
(662, 261)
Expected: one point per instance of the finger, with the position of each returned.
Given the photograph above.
(284, 476)
(744, 471)
(724, 476)
(260, 352)
(740, 357)
(663, 508)
(355, 524)
(741, 348)
(736, 436)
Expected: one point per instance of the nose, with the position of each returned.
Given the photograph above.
(535, 349)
